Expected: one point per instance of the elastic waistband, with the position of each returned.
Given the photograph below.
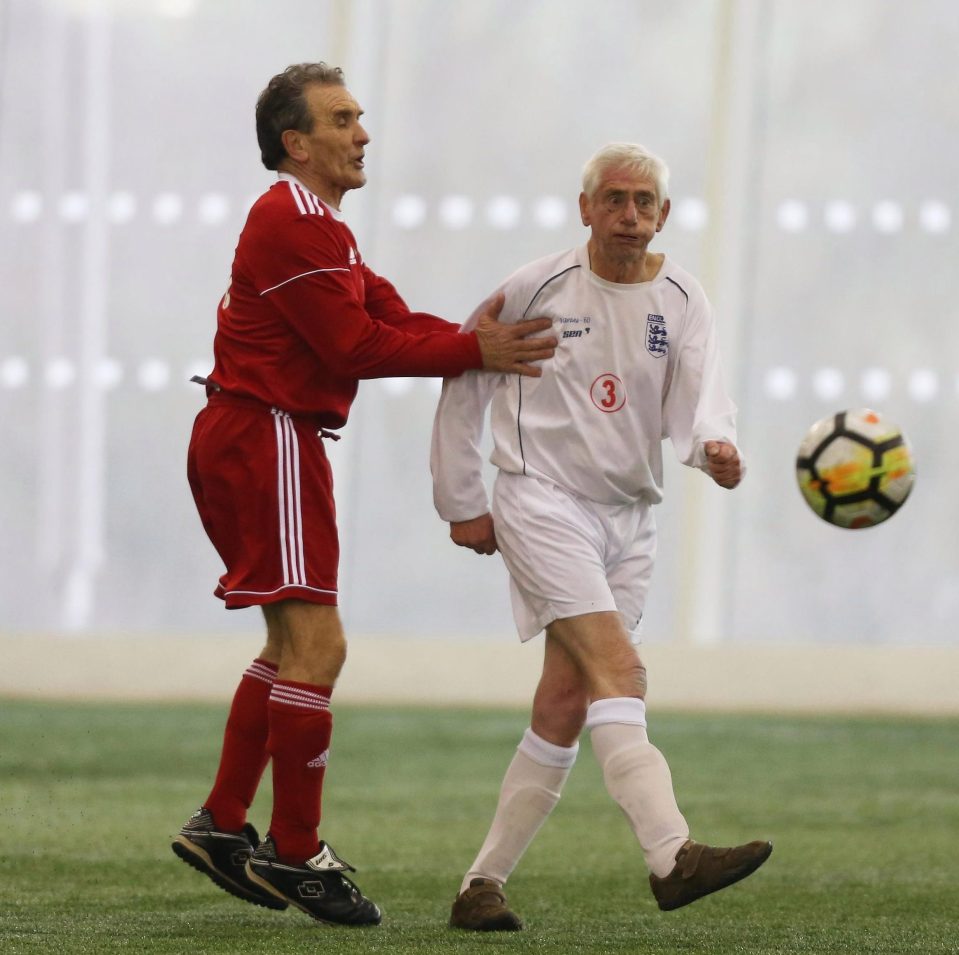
(216, 396)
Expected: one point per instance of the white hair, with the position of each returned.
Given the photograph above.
(629, 156)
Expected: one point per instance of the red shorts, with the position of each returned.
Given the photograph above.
(264, 489)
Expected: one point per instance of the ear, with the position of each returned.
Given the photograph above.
(663, 214)
(292, 140)
(584, 208)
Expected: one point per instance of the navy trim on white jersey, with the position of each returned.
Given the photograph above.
(681, 289)
(519, 409)
(550, 279)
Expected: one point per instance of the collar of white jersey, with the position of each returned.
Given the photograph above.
(582, 257)
(289, 177)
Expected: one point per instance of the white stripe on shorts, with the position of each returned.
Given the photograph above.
(288, 494)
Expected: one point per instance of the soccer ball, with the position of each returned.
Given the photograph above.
(855, 468)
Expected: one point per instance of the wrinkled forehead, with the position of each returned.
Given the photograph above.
(624, 179)
(331, 100)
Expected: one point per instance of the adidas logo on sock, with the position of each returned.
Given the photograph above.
(320, 760)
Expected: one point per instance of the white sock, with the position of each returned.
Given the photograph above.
(531, 788)
(638, 778)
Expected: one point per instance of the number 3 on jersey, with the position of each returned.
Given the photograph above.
(608, 393)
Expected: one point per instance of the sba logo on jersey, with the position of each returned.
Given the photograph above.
(657, 341)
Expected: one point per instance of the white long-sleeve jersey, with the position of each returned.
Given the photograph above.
(635, 364)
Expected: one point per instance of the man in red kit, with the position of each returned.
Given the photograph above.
(302, 322)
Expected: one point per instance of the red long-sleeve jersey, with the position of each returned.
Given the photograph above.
(304, 319)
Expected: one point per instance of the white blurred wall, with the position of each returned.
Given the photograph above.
(813, 149)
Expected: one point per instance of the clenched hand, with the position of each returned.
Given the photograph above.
(476, 534)
(724, 464)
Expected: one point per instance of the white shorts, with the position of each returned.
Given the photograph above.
(568, 556)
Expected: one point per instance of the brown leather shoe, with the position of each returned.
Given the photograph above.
(482, 908)
(701, 869)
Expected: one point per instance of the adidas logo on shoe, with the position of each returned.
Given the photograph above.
(319, 761)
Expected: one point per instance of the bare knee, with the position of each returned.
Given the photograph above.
(637, 678)
(311, 640)
(559, 713)
(599, 647)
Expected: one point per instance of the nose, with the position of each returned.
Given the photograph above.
(362, 136)
(631, 211)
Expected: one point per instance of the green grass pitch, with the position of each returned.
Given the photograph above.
(864, 814)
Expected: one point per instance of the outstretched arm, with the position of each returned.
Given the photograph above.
(503, 348)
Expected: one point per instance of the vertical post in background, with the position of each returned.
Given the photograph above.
(731, 188)
(53, 477)
(358, 28)
(89, 476)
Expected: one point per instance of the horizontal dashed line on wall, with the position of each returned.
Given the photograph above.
(458, 212)
(780, 383)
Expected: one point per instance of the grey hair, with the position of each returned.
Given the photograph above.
(282, 106)
(629, 156)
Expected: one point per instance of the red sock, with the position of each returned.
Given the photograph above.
(244, 755)
(301, 725)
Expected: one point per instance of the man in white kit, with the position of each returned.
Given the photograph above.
(579, 453)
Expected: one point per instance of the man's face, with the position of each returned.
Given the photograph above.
(336, 144)
(623, 214)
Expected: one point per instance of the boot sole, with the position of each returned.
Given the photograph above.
(200, 860)
(267, 887)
